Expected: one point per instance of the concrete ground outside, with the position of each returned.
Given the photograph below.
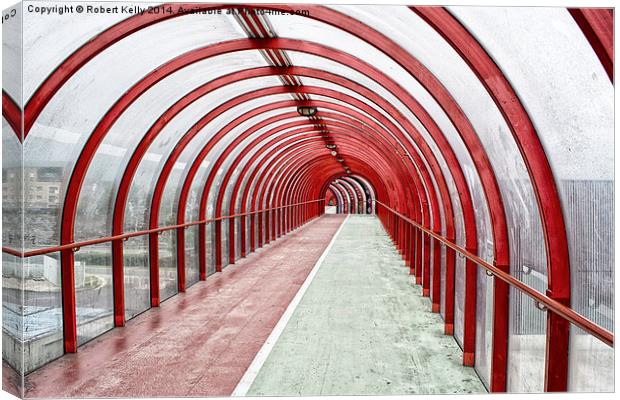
(362, 328)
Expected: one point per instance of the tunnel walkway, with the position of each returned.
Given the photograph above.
(337, 297)
(362, 328)
(199, 343)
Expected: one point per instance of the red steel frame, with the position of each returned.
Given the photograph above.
(341, 206)
(360, 194)
(557, 307)
(597, 25)
(499, 90)
(541, 176)
(13, 114)
(181, 214)
(233, 166)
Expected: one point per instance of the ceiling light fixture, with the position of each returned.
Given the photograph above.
(306, 111)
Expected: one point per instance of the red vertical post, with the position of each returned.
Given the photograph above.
(68, 301)
(436, 280)
(469, 320)
(259, 215)
(426, 269)
(558, 333)
(400, 235)
(414, 241)
(268, 219)
(404, 234)
(253, 218)
(154, 268)
(218, 245)
(499, 360)
(407, 245)
(304, 213)
(281, 220)
(418, 261)
(181, 259)
(231, 239)
(411, 233)
(394, 229)
(449, 299)
(273, 224)
(243, 236)
(118, 283)
(202, 251)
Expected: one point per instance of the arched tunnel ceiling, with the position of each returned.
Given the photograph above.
(450, 115)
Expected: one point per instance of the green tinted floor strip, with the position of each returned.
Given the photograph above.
(362, 328)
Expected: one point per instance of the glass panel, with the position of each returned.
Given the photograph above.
(93, 291)
(64, 38)
(484, 326)
(210, 249)
(137, 276)
(191, 256)
(12, 195)
(527, 332)
(459, 273)
(595, 361)
(527, 340)
(12, 313)
(43, 332)
(168, 286)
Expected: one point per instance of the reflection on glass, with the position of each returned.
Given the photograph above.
(12, 314)
(591, 363)
(167, 265)
(191, 256)
(136, 274)
(94, 295)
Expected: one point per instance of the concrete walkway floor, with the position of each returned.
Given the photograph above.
(361, 328)
(198, 343)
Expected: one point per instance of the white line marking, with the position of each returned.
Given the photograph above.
(252, 372)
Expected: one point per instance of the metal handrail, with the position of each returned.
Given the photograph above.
(552, 305)
(77, 245)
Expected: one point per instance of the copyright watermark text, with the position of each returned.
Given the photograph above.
(156, 9)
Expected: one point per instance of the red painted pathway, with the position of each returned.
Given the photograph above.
(199, 343)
